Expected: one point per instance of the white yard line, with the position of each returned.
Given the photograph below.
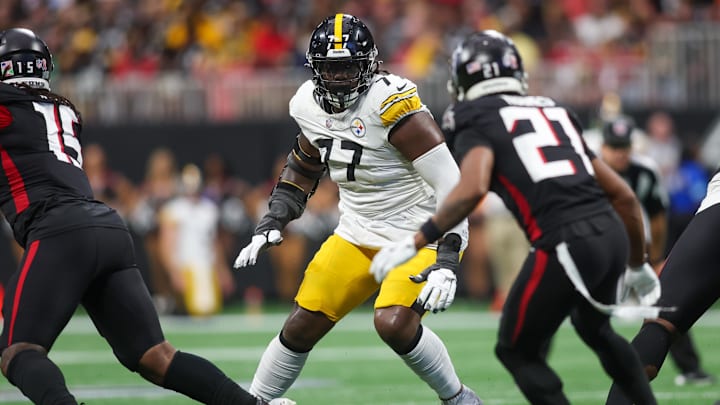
(360, 321)
(319, 354)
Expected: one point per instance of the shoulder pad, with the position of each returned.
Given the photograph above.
(394, 98)
(302, 97)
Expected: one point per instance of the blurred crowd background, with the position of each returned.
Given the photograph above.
(168, 88)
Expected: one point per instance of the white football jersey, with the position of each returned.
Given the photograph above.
(382, 197)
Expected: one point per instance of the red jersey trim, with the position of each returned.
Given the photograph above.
(535, 277)
(15, 180)
(534, 232)
(5, 117)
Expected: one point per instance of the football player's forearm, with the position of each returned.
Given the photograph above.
(631, 215)
(627, 206)
(658, 230)
(438, 168)
(456, 208)
(288, 199)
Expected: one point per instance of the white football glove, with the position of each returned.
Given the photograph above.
(392, 256)
(439, 291)
(640, 281)
(248, 255)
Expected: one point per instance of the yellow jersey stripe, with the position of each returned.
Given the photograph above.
(338, 31)
(394, 97)
(400, 109)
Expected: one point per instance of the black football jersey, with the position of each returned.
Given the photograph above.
(41, 160)
(543, 170)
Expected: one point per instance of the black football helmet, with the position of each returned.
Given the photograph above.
(486, 62)
(24, 58)
(342, 56)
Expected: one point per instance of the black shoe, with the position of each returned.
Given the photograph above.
(698, 377)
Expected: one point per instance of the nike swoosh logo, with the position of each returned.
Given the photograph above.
(399, 88)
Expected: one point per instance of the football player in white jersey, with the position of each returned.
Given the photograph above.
(382, 147)
(190, 249)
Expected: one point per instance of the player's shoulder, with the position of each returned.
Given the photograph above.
(10, 93)
(468, 112)
(540, 102)
(303, 98)
(385, 88)
(392, 97)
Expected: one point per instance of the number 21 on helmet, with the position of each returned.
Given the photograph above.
(484, 63)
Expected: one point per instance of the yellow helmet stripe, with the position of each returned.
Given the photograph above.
(338, 31)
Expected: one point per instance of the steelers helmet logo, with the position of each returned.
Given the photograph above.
(357, 126)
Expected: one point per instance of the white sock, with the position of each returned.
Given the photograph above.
(431, 361)
(277, 371)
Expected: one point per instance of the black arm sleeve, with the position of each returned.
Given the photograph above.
(287, 202)
(448, 252)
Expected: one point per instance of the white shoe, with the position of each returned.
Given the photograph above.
(282, 401)
(466, 396)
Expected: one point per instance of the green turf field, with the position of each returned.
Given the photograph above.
(352, 366)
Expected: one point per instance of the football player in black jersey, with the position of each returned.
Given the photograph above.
(530, 152)
(77, 249)
(690, 283)
(643, 177)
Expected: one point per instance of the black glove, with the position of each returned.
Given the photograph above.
(448, 257)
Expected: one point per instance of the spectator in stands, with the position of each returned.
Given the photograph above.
(476, 281)
(159, 186)
(108, 185)
(687, 186)
(226, 191)
(663, 146)
(507, 247)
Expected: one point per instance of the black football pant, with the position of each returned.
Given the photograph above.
(543, 296)
(92, 266)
